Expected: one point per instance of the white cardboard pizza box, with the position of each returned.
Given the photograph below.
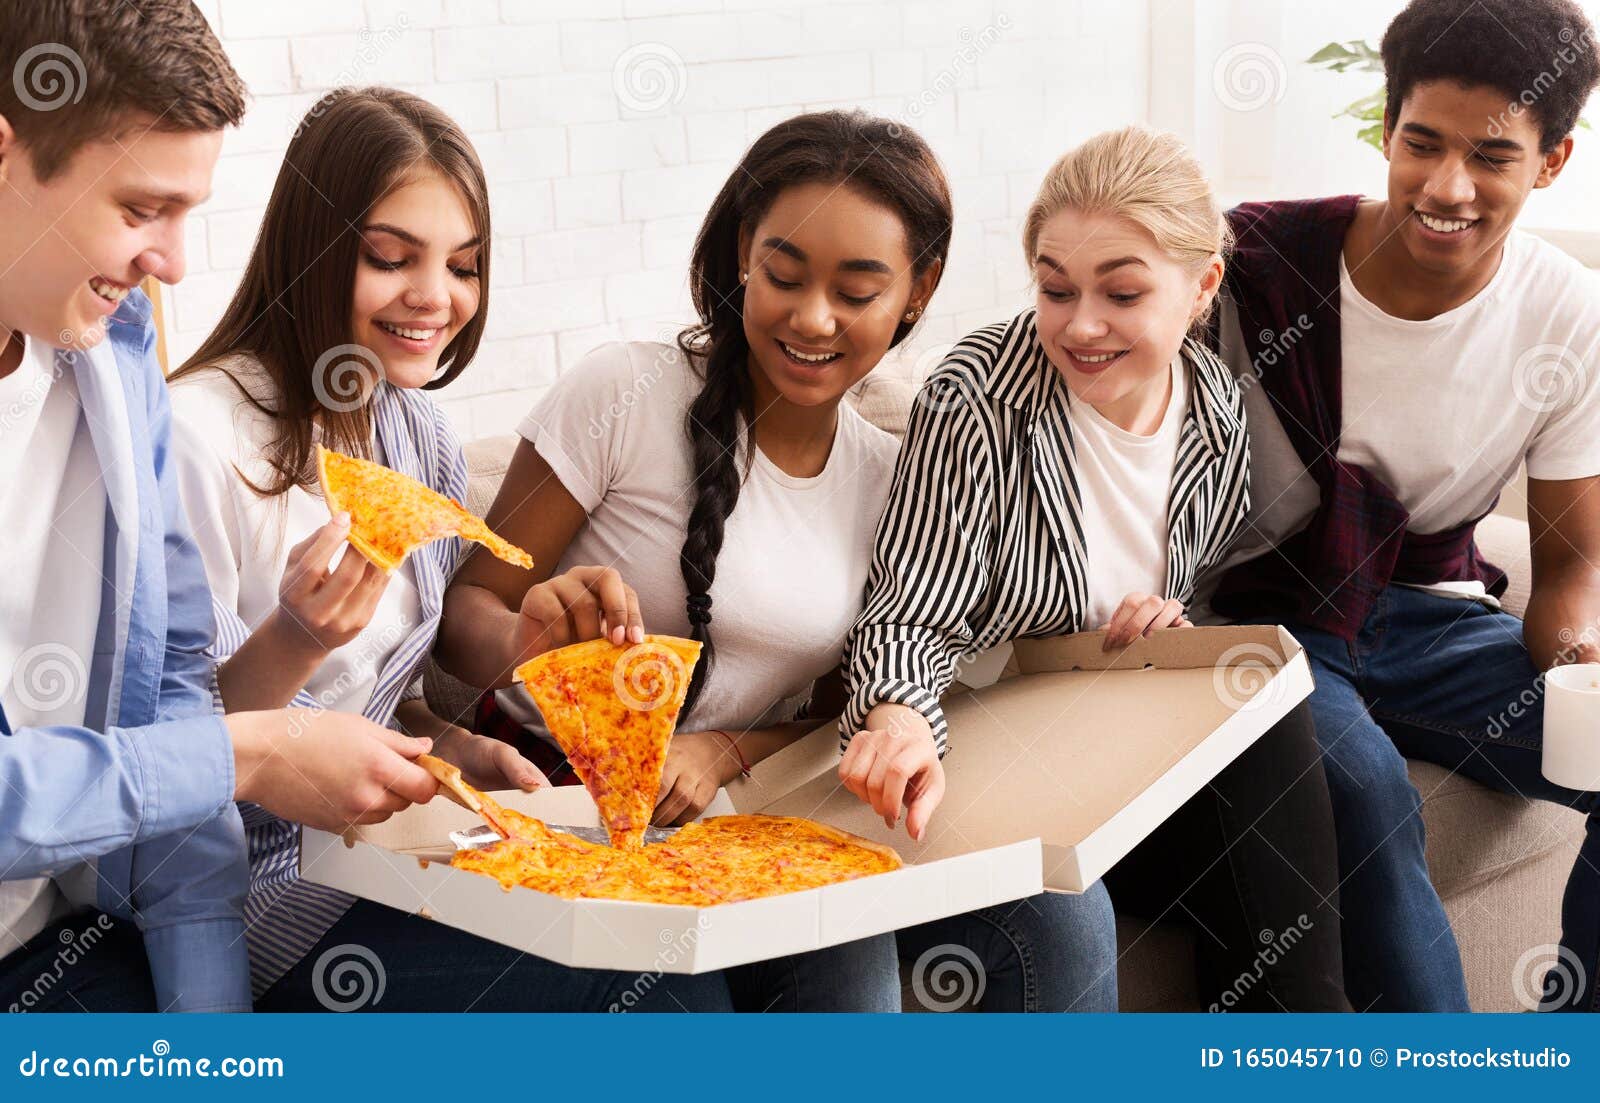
(404, 863)
(1087, 751)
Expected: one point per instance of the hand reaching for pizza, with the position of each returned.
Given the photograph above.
(1142, 614)
(326, 769)
(581, 604)
(698, 764)
(328, 608)
(895, 762)
(485, 763)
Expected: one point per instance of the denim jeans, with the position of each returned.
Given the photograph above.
(1449, 681)
(381, 959)
(1248, 862)
(86, 962)
(1052, 952)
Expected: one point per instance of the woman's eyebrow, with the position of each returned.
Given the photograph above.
(1111, 265)
(855, 264)
(412, 239)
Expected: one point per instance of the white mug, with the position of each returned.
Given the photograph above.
(1572, 726)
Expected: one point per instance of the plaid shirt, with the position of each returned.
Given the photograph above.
(1284, 278)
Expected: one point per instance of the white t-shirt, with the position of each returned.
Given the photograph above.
(53, 516)
(792, 574)
(1125, 484)
(244, 538)
(1444, 410)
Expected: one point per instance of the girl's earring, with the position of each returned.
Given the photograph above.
(911, 315)
(744, 277)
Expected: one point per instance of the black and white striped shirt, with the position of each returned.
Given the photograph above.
(982, 538)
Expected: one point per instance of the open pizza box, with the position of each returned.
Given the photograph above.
(404, 863)
(1087, 751)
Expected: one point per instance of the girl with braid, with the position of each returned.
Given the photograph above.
(726, 480)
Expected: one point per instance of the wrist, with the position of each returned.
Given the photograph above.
(251, 735)
(898, 719)
(290, 638)
(731, 762)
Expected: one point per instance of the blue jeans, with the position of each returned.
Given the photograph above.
(1052, 952)
(380, 959)
(86, 962)
(1447, 681)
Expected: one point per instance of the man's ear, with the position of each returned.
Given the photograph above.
(8, 147)
(1554, 162)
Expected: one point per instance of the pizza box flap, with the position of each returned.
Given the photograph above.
(1087, 751)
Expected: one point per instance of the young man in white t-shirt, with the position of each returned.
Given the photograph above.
(1403, 357)
(122, 858)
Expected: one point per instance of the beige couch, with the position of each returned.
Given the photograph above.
(1500, 862)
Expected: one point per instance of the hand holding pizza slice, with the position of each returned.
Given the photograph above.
(392, 515)
(613, 710)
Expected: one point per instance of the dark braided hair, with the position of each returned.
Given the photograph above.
(882, 159)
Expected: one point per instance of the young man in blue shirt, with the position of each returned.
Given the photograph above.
(122, 858)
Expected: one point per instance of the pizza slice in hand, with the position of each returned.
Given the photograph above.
(392, 515)
(613, 709)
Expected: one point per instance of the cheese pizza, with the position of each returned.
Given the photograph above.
(718, 861)
(613, 709)
(392, 515)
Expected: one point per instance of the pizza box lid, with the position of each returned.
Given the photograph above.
(404, 863)
(1087, 751)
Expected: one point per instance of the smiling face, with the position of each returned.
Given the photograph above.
(1460, 168)
(416, 277)
(75, 245)
(828, 282)
(1113, 308)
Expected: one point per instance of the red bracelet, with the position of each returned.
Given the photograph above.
(744, 767)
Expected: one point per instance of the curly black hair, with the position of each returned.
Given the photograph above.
(1540, 53)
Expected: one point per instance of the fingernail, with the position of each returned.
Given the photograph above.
(341, 520)
(636, 634)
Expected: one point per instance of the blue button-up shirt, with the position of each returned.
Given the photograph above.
(145, 788)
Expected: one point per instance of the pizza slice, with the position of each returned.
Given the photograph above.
(507, 823)
(392, 515)
(613, 709)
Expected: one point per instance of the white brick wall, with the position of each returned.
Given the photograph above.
(597, 192)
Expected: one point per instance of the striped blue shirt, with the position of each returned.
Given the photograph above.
(285, 916)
